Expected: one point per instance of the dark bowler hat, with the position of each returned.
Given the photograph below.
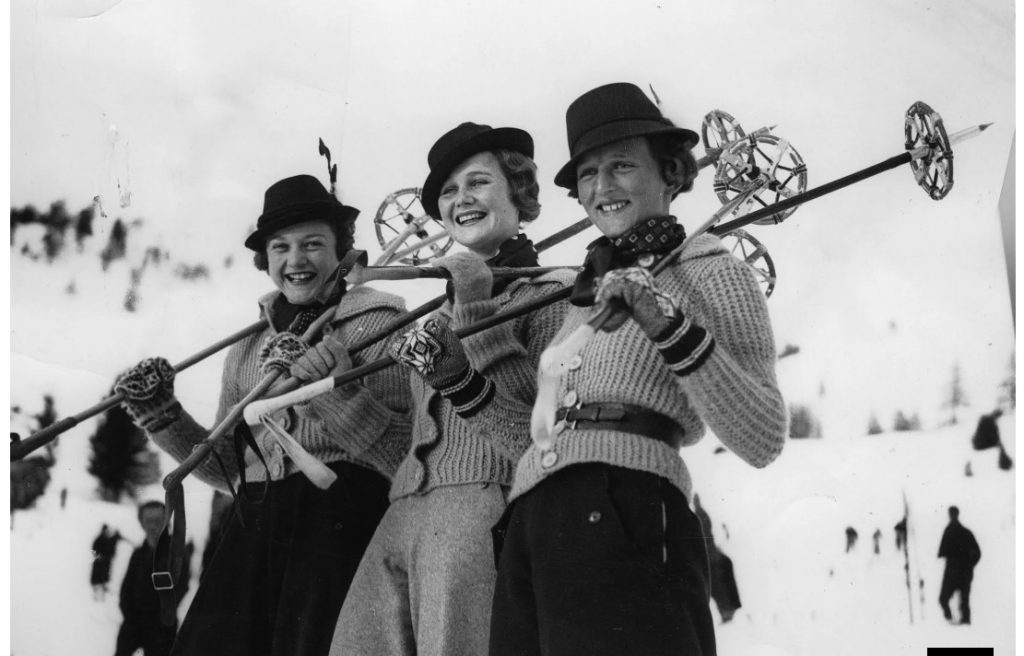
(293, 200)
(608, 114)
(457, 145)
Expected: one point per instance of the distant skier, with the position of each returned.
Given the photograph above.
(140, 602)
(876, 538)
(900, 531)
(851, 538)
(103, 549)
(962, 553)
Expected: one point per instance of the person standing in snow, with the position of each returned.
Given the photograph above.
(962, 553)
(278, 579)
(426, 583)
(103, 549)
(602, 554)
(140, 603)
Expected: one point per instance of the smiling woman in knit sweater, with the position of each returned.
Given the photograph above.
(277, 580)
(426, 582)
(602, 554)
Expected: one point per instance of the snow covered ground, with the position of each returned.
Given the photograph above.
(782, 526)
(802, 594)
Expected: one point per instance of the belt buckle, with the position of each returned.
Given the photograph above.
(162, 581)
(571, 418)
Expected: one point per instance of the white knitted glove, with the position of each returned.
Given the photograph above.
(471, 277)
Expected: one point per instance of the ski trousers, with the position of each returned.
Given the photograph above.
(598, 559)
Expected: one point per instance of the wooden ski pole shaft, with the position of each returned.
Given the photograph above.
(266, 406)
(371, 273)
(42, 437)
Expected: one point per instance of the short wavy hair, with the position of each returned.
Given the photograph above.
(678, 165)
(521, 173)
(344, 238)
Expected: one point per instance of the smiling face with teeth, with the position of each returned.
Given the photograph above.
(621, 184)
(301, 259)
(476, 206)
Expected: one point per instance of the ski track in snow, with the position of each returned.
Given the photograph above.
(802, 595)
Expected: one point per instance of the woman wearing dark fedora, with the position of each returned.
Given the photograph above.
(602, 554)
(426, 582)
(277, 580)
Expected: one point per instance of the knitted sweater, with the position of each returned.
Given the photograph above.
(449, 450)
(734, 392)
(366, 424)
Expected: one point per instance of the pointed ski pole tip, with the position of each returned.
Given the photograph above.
(984, 126)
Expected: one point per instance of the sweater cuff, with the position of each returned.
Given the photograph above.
(684, 345)
(468, 392)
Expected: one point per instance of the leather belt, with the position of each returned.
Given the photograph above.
(620, 417)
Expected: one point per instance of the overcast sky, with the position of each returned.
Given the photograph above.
(183, 113)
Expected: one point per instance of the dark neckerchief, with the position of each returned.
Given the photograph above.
(515, 252)
(657, 235)
(297, 318)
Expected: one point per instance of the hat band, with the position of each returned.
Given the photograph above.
(605, 128)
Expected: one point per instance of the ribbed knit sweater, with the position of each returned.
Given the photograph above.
(734, 392)
(367, 423)
(449, 450)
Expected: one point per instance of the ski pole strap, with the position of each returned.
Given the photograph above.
(244, 437)
(167, 559)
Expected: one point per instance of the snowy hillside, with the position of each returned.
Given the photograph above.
(782, 526)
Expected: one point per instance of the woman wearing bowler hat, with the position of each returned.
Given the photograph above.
(277, 580)
(602, 554)
(426, 582)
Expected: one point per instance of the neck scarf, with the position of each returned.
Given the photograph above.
(515, 252)
(297, 319)
(657, 236)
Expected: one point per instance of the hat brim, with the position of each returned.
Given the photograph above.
(617, 131)
(329, 211)
(514, 139)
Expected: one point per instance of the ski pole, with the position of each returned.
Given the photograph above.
(42, 437)
(256, 409)
(22, 448)
(896, 161)
(367, 274)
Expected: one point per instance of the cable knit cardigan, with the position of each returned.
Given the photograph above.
(734, 392)
(367, 424)
(449, 450)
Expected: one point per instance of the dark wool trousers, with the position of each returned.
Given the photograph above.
(275, 585)
(956, 579)
(598, 560)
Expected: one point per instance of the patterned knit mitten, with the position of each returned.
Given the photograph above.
(684, 345)
(280, 351)
(148, 391)
(436, 354)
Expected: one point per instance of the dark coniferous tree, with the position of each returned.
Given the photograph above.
(120, 458)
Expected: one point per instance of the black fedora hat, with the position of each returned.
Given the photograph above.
(293, 200)
(457, 145)
(611, 113)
